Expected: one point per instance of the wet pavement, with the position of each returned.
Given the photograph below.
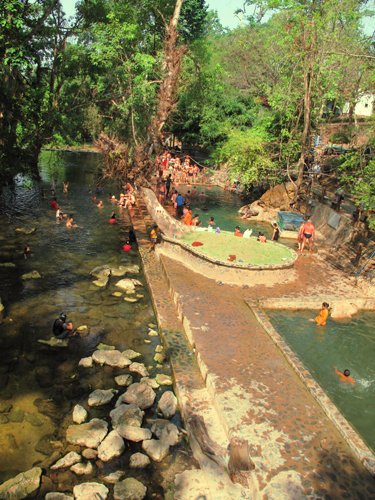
(256, 394)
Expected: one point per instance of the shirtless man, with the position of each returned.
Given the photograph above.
(308, 234)
(162, 192)
(65, 187)
(69, 223)
(300, 235)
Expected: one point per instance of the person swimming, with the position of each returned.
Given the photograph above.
(323, 315)
(69, 223)
(26, 253)
(127, 247)
(112, 220)
(345, 376)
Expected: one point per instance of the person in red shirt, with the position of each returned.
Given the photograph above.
(127, 247)
(54, 204)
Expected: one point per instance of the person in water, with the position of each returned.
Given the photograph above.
(211, 222)
(62, 329)
(65, 187)
(261, 238)
(276, 232)
(69, 223)
(345, 377)
(26, 253)
(112, 220)
(127, 247)
(100, 204)
(54, 204)
(323, 315)
(237, 232)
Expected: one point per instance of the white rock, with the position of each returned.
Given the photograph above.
(100, 397)
(22, 485)
(82, 469)
(112, 447)
(134, 434)
(153, 333)
(130, 354)
(129, 489)
(166, 431)
(126, 284)
(68, 460)
(124, 380)
(90, 454)
(138, 461)
(139, 394)
(79, 414)
(111, 358)
(151, 382)
(130, 415)
(86, 362)
(168, 404)
(155, 449)
(114, 477)
(89, 435)
(90, 491)
(130, 299)
(56, 495)
(139, 368)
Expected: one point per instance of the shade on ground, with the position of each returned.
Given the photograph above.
(249, 250)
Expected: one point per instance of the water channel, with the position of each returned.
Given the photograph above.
(40, 385)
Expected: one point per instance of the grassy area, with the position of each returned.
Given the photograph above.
(249, 250)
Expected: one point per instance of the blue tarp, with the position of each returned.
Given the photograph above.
(289, 221)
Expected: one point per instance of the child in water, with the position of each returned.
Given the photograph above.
(323, 315)
(345, 377)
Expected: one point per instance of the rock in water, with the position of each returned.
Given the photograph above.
(67, 461)
(82, 469)
(22, 485)
(105, 347)
(139, 368)
(112, 446)
(168, 404)
(114, 477)
(56, 495)
(90, 491)
(130, 354)
(139, 394)
(89, 435)
(162, 379)
(153, 333)
(54, 342)
(138, 461)
(79, 414)
(100, 397)
(101, 271)
(24, 230)
(90, 454)
(126, 415)
(160, 358)
(124, 380)
(155, 449)
(117, 294)
(101, 282)
(131, 268)
(158, 348)
(134, 434)
(166, 431)
(111, 358)
(126, 284)
(151, 382)
(7, 264)
(129, 489)
(86, 362)
(32, 275)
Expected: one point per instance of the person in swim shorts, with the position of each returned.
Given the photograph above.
(323, 315)
(345, 377)
(308, 234)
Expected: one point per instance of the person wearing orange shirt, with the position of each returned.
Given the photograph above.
(323, 315)
(345, 377)
(237, 232)
(187, 219)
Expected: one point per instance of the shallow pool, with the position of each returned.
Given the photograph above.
(347, 345)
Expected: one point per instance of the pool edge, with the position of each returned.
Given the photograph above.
(352, 438)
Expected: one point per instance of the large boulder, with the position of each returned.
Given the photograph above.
(130, 415)
(22, 485)
(278, 196)
(138, 461)
(89, 435)
(111, 358)
(139, 394)
(129, 489)
(155, 449)
(90, 491)
(165, 431)
(343, 309)
(67, 461)
(112, 447)
(135, 434)
(168, 404)
(101, 397)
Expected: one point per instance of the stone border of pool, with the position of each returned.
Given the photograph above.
(234, 265)
(355, 442)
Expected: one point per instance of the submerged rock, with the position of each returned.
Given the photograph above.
(67, 461)
(130, 415)
(90, 454)
(160, 358)
(126, 284)
(139, 394)
(101, 282)
(155, 449)
(22, 485)
(111, 358)
(7, 264)
(101, 271)
(151, 382)
(16, 415)
(158, 348)
(130, 299)
(138, 461)
(129, 489)
(130, 354)
(163, 379)
(131, 268)
(82, 469)
(117, 294)
(112, 446)
(139, 368)
(56, 495)
(124, 380)
(25, 230)
(86, 362)
(153, 333)
(31, 275)
(90, 491)
(168, 404)
(54, 342)
(89, 435)
(101, 397)
(79, 414)
(166, 431)
(114, 477)
(134, 434)
(34, 419)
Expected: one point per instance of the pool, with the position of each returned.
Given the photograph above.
(345, 345)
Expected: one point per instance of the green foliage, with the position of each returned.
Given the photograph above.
(340, 137)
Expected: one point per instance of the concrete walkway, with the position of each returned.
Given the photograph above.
(256, 394)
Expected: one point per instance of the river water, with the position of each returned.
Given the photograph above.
(39, 385)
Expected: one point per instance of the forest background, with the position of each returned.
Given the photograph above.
(254, 96)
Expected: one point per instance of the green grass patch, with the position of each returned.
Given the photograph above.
(249, 250)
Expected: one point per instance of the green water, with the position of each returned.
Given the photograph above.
(347, 345)
(44, 384)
